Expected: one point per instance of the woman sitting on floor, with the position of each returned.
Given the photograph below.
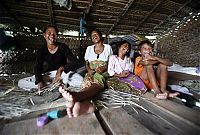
(54, 61)
(120, 68)
(96, 58)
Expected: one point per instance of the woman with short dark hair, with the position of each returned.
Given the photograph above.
(53, 56)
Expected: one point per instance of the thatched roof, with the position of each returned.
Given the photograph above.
(147, 17)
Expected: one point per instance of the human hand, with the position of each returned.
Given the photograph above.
(124, 74)
(91, 72)
(57, 78)
(47, 78)
(58, 74)
(148, 56)
(99, 69)
(41, 85)
(59, 71)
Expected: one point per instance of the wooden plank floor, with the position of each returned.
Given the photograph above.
(174, 108)
(163, 117)
(174, 116)
(87, 124)
(120, 122)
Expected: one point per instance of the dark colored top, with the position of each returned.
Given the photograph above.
(45, 61)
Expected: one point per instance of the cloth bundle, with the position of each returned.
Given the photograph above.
(131, 84)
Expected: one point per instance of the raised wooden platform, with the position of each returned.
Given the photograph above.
(163, 117)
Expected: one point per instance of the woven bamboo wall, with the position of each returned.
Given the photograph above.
(183, 46)
(22, 60)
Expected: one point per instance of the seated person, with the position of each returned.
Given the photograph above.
(120, 67)
(51, 60)
(144, 67)
(53, 56)
(96, 57)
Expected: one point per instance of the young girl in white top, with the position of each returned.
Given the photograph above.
(120, 67)
(120, 64)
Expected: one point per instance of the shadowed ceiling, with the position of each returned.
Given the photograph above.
(117, 17)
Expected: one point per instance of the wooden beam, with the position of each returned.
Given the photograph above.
(148, 15)
(109, 5)
(125, 9)
(186, 3)
(11, 15)
(181, 22)
(50, 9)
(86, 14)
(81, 1)
(27, 3)
(87, 11)
(28, 13)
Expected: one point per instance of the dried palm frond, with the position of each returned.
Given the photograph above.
(50, 87)
(111, 98)
(8, 91)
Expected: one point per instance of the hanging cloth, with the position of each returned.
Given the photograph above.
(82, 26)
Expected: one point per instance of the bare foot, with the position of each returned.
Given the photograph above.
(69, 101)
(81, 108)
(172, 95)
(67, 96)
(69, 112)
(63, 88)
(161, 96)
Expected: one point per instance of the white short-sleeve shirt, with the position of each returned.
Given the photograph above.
(117, 65)
(90, 54)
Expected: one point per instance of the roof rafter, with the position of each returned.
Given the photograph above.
(87, 11)
(148, 15)
(186, 3)
(50, 9)
(109, 16)
(181, 22)
(11, 15)
(125, 9)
